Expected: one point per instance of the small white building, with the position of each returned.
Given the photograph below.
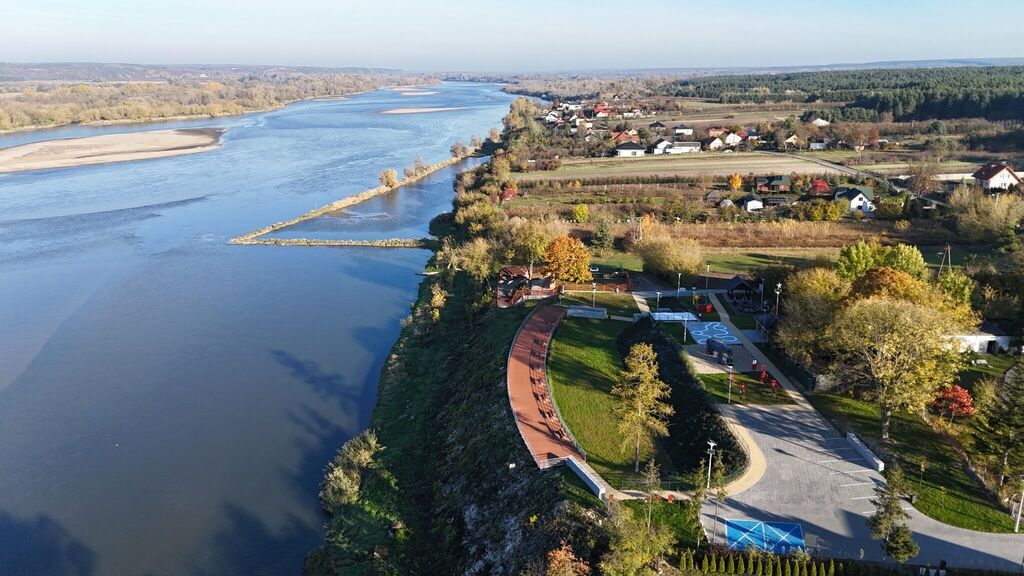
(817, 145)
(630, 150)
(996, 176)
(683, 130)
(752, 204)
(683, 148)
(662, 146)
(820, 122)
(987, 339)
(733, 139)
(861, 198)
(712, 144)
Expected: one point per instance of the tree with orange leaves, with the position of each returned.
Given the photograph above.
(735, 182)
(562, 561)
(568, 260)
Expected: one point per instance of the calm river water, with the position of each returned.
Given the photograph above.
(168, 401)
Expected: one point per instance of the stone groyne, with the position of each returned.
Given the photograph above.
(254, 237)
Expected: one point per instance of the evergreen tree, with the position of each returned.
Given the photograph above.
(714, 563)
(814, 569)
(1001, 428)
(730, 566)
(831, 567)
(900, 545)
(741, 565)
(760, 567)
(721, 565)
(704, 564)
(787, 568)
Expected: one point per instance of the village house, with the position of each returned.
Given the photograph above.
(712, 144)
(752, 203)
(751, 135)
(716, 131)
(629, 150)
(860, 198)
(626, 136)
(656, 127)
(996, 176)
(683, 130)
(792, 140)
(660, 146)
(776, 184)
(713, 198)
(602, 110)
(732, 139)
(820, 122)
(683, 148)
(989, 338)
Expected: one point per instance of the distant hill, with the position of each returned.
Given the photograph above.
(113, 72)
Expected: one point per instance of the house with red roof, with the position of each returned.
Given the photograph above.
(996, 176)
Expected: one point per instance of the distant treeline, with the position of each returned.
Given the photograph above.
(39, 104)
(995, 93)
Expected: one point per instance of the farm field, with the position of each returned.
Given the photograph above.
(705, 163)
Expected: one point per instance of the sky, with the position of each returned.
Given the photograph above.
(505, 35)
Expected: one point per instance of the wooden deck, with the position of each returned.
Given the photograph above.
(548, 442)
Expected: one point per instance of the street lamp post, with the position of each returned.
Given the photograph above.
(711, 458)
(707, 276)
(593, 298)
(1020, 506)
(658, 305)
(778, 293)
(679, 280)
(730, 385)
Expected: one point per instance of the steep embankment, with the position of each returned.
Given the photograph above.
(453, 491)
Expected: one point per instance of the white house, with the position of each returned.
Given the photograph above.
(629, 150)
(662, 146)
(752, 204)
(712, 143)
(818, 144)
(733, 139)
(996, 176)
(683, 148)
(820, 122)
(683, 130)
(861, 198)
(571, 106)
(987, 339)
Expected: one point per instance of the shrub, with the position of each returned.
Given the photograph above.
(666, 257)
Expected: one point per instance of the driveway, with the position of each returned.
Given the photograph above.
(815, 478)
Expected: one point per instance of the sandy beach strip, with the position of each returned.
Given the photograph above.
(418, 93)
(422, 110)
(108, 148)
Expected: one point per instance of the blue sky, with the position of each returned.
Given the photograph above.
(512, 35)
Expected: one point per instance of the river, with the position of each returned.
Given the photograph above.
(168, 401)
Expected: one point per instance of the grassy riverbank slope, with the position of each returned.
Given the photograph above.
(453, 490)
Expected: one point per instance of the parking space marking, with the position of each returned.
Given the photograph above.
(852, 472)
(857, 484)
(840, 460)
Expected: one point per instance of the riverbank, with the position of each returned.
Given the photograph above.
(108, 148)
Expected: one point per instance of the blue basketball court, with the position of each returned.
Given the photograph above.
(775, 537)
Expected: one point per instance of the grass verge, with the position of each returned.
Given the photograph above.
(946, 491)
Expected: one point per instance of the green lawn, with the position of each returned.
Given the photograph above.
(948, 492)
(583, 365)
(996, 368)
(740, 320)
(757, 393)
(616, 304)
(671, 514)
(741, 261)
(616, 260)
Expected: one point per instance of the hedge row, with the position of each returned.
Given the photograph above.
(764, 564)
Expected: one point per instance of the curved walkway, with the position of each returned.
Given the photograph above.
(815, 478)
(538, 422)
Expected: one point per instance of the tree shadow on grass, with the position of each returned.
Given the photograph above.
(40, 546)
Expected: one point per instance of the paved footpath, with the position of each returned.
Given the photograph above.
(815, 478)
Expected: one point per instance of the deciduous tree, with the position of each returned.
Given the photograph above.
(634, 549)
(735, 182)
(900, 350)
(567, 260)
(955, 401)
(388, 178)
(811, 301)
(562, 561)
